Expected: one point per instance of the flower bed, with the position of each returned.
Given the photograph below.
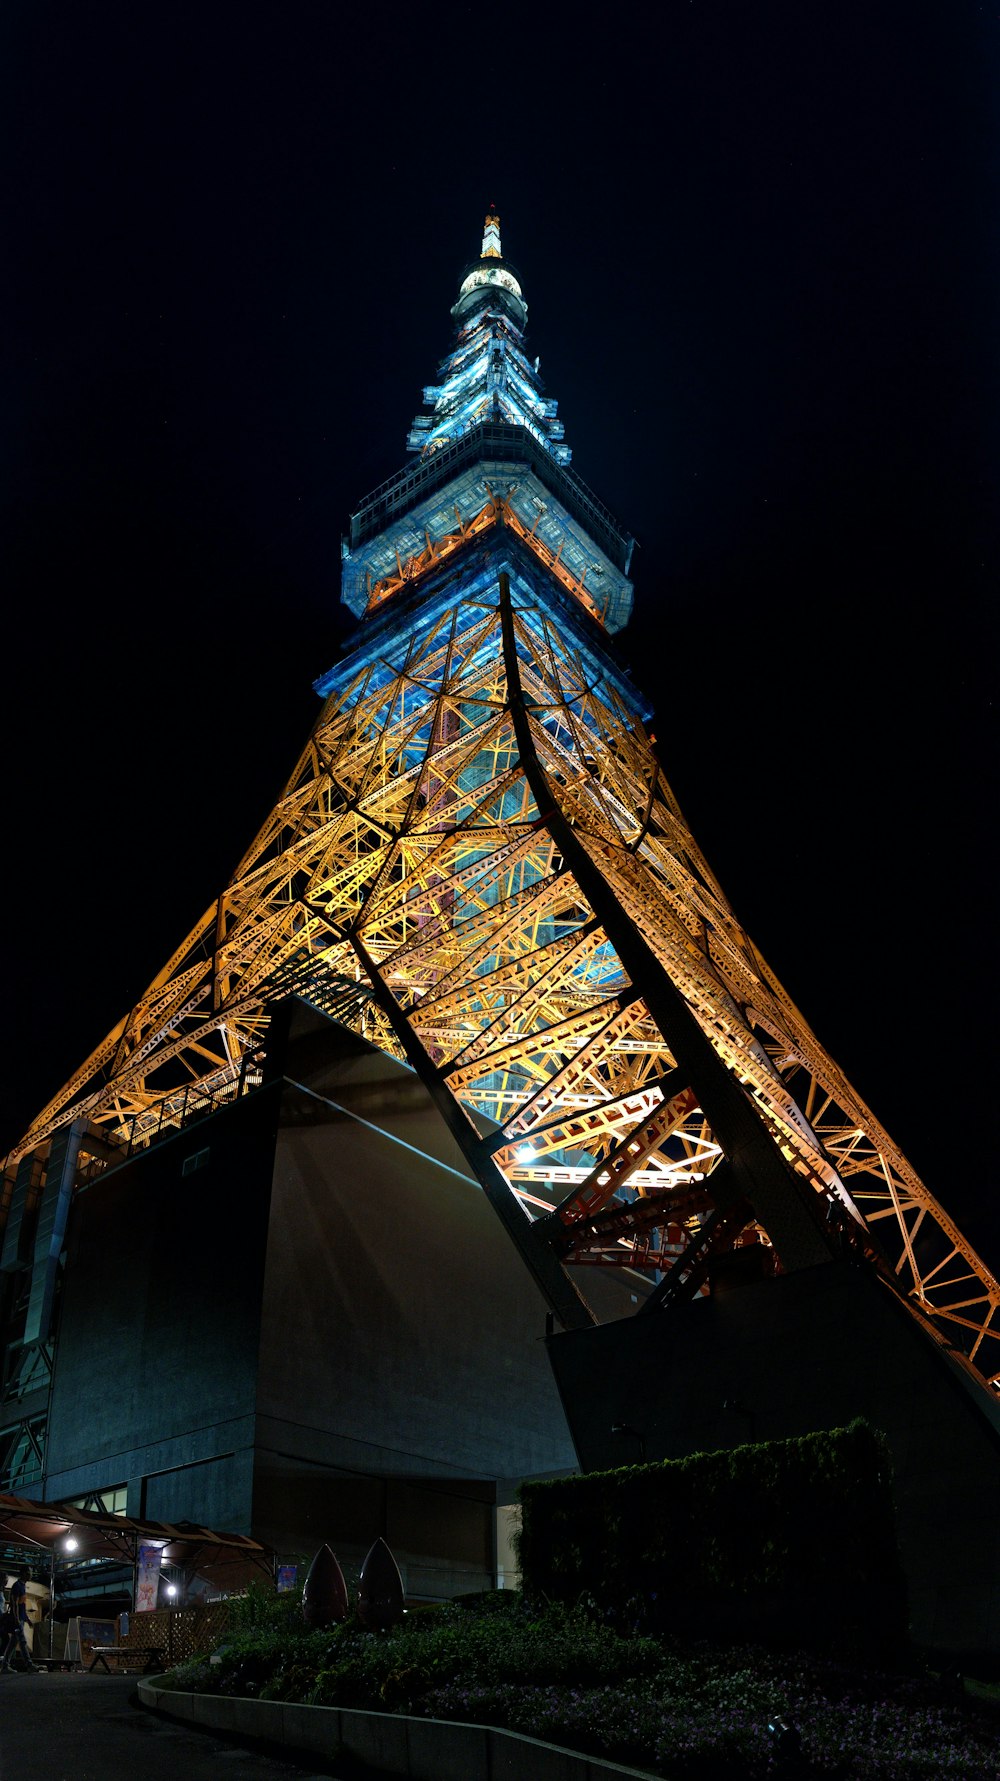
(684, 1711)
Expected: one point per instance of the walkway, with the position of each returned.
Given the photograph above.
(82, 1727)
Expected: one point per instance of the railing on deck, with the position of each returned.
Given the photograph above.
(190, 1104)
(499, 441)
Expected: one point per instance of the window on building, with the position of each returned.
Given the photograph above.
(109, 1501)
(21, 1456)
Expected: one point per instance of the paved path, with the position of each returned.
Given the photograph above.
(82, 1727)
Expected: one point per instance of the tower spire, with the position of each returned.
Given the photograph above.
(488, 375)
(491, 236)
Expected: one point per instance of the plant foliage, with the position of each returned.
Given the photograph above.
(793, 1541)
(687, 1711)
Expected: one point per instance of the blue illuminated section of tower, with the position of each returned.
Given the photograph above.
(489, 485)
(488, 375)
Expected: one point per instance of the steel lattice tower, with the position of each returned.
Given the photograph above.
(478, 865)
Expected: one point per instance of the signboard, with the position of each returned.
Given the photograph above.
(82, 1635)
(147, 1579)
(286, 1577)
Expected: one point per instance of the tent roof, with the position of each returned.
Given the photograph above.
(46, 1526)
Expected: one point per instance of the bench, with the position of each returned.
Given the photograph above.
(150, 1657)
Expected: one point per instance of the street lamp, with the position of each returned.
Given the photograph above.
(70, 1544)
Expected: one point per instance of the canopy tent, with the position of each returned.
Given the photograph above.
(227, 1561)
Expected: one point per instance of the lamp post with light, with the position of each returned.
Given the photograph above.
(70, 1544)
(172, 1593)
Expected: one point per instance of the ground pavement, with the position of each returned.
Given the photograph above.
(73, 1726)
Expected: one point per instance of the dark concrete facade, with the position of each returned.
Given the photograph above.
(300, 1318)
(813, 1350)
(155, 1362)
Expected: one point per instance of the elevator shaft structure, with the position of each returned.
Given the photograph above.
(478, 865)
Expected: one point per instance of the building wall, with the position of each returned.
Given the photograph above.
(403, 1366)
(319, 1332)
(813, 1350)
(159, 1324)
(398, 1318)
(440, 1531)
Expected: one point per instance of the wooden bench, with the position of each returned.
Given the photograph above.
(149, 1657)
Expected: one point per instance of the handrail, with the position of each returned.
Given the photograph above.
(508, 442)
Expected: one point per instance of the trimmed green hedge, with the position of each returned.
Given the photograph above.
(789, 1541)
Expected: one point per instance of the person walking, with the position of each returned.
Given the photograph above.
(6, 1621)
(17, 1610)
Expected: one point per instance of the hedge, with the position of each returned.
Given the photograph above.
(793, 1542)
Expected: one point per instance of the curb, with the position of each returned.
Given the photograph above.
(418, 1749)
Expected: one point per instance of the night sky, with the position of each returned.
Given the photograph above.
(759, 248)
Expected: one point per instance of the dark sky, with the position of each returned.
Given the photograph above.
(759, 246)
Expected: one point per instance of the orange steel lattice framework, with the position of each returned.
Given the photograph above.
(478, 865)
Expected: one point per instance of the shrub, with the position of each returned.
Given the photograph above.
(793, 1541)
(261, 1609)
(403, 1689)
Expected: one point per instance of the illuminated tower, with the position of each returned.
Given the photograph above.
(478, 866)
